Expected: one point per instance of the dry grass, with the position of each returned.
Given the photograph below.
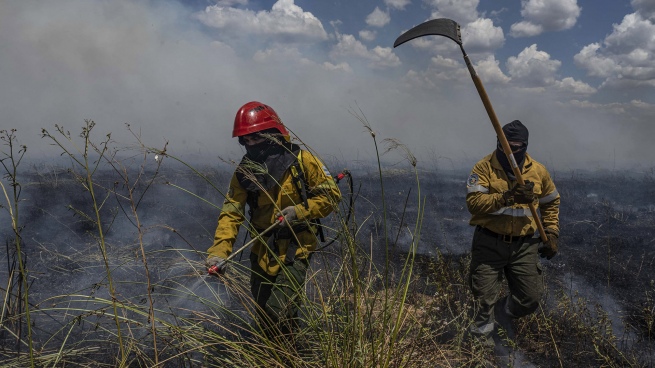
(411, 311)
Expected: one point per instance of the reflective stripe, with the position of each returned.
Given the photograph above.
(549, 198)
(328, 184)
(477, 188)
(514, 212)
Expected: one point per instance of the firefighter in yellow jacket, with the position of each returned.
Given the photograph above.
(506, 242)
(276, 180)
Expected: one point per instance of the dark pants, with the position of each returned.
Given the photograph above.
(517, 260)
(278, 297)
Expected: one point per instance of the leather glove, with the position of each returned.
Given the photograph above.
(289, 214)
(520, 194)
(216, 265)
(549, 248)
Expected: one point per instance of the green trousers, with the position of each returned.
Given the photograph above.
(493, 259)
(278, 297)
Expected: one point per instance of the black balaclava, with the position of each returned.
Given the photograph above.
(260, 151)
(264, 164)
(271, 146)
(514, 132)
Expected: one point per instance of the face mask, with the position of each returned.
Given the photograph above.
(519, 156)
(260, 151)
(257, 152)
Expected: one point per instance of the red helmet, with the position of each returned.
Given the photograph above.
(254, 117)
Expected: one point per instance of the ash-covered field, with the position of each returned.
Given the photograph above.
(607, 242)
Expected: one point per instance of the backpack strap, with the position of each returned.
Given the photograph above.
(300, 181)
(252, 202)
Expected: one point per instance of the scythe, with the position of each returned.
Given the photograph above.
(450, 29)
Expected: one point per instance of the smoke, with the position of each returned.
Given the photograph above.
(154, 66)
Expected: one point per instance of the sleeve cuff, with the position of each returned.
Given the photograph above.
(301, 212)
(552, 231)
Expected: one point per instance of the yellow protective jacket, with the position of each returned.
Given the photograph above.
(323, 198)
(485, 187)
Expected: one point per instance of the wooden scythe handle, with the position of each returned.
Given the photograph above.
(502, 139)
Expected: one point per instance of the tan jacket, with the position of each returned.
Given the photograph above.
(324, 196)
(485, 187)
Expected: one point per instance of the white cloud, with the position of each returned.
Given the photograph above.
(378, 57)
(597, 66)
(533, 70)
(543, 16)
(397, 4)
(378, 18)
(384, 57)
(489, 71)
(445, 63)
(629, 86)
(569, 84)
(367, 35)
(349, 46)
(285, 18)
(440, 69)
(419, 79)
(625, 56)
(533, 67)
(482, 36)
(525, 29)
(447, 69)
(644, 7)
(461, 11)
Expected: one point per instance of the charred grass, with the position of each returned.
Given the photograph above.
(117, 278)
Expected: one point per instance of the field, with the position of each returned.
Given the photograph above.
(104, 266)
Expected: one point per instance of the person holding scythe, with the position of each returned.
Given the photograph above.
(506, 241)
(504, 190)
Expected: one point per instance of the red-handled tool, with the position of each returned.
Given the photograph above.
(213, 270)
(341, 175)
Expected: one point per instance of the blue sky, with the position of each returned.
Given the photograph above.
(578, 73)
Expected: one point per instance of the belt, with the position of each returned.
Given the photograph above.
(285, 232)
(502, 237)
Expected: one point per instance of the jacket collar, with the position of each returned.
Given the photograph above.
(496, 165)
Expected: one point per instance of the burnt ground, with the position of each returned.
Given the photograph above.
(607, 242)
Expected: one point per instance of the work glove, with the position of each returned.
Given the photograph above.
(520, 194)
(216, 266)
(289, 214)
(549, 248)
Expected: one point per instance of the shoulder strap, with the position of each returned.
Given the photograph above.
(252, 202)
(299, 179)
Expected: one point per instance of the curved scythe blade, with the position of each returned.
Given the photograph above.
(449, 28)
(437, 27)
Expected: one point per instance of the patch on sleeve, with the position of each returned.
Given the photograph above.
(230, 192)
(472, 180)
(326, 171)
